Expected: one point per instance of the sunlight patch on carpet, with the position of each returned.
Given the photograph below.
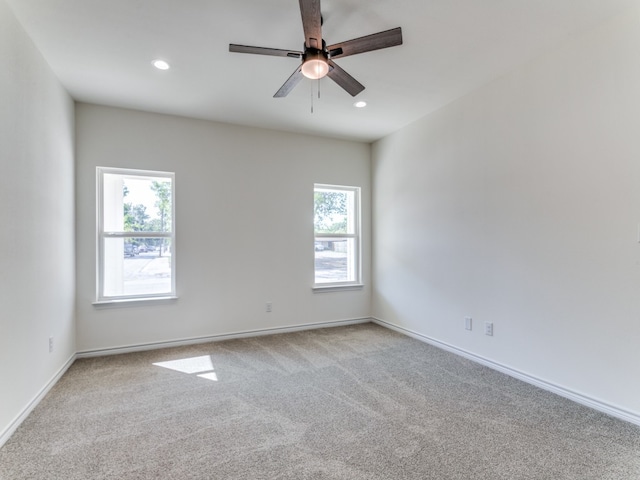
(203, 366)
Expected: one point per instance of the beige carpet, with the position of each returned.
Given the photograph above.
(358, 402)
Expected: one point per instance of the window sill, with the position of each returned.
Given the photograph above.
(336, 288)
(133, 301)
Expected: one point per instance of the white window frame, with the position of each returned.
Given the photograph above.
(357, 260)
(102, 235)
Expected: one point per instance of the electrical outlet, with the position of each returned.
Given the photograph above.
(468, 321)
(488, 328)
(50, 344)
(269, 307)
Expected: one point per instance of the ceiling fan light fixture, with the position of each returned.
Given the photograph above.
(315, 68)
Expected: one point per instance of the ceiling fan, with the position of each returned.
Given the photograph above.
(317, 57)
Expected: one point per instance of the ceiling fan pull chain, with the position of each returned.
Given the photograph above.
(311, 91)
(318, 78)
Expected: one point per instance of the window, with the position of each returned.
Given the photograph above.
(136, 234)
(337, 235)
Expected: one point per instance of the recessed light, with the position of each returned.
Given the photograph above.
(360, 104)
(160, 64)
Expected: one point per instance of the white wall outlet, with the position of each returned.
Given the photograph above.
(488, 328)
(468, 321)
(50, 344)
(269, 307)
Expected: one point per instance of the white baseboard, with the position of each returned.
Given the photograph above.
(13, 426)
(218, 338)
(580, 398)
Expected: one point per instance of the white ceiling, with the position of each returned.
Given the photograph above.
(101, 50)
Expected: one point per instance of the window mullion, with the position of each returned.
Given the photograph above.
(336, 235)
(137, 234)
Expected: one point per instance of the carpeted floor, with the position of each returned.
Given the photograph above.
(357, 403)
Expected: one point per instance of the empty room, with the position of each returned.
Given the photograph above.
(320, 239)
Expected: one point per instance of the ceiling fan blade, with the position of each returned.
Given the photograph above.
(376, 41)
(342, 78)
(291, 82)
(312, 23)
(276, 52)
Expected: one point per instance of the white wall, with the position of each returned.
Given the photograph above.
(244, 225)
(36, 223)
(519, 204)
